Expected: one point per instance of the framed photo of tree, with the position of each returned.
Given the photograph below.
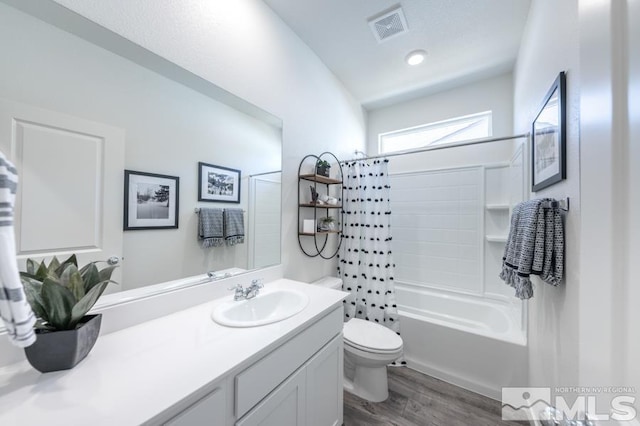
(218, 184)
(150, 201)
(548, 138)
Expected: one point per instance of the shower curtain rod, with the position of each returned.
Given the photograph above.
(444, 146)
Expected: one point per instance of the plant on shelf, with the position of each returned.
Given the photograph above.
(322, 168)
(326, 224)
(60, 295)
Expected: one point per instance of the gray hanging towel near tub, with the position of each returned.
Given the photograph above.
(233, 226)
(210, 227)
(535, 246)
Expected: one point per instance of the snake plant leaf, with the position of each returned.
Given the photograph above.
(91, 277)
(105, 274)
(42, 325)
(32, 266)
(58, 301)
(87, 302)
(72, 260)
(31, 276)
(41, 273)
(32, 290)
(84, 269)
(53, 267)
(72, 280)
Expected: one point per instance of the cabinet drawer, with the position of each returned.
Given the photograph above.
(257, 381)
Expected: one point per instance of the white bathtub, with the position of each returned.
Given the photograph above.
(475, 343)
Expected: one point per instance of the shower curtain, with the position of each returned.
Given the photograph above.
(365, 261)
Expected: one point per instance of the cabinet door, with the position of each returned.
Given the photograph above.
(285, 406)
(209, 411)
(324, 385)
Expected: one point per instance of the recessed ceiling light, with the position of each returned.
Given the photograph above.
(416, 57)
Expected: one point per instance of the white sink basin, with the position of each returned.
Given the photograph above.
(266, 308)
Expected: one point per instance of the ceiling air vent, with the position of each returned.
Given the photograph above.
(388, 25)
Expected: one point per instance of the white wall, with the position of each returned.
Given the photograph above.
(169, 129)
(244, 47)
(631, 366)
(610, 127)
(550, 44)
(494, 94)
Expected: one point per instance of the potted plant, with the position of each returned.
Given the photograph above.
(60, 295)
(327, 224)
(322, 168)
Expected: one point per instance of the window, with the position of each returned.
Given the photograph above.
(458, 129)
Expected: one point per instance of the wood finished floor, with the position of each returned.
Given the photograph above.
(416, 399)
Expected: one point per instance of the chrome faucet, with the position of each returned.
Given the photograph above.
(239, 292)
(253, 290)
(247, 293)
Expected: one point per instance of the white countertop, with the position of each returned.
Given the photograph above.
(133, 375)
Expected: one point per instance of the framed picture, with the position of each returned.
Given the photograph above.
(548, 140)
(150, 201)
(219, 184)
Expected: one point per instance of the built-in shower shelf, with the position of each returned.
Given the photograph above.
(496, 238)
(497, 206)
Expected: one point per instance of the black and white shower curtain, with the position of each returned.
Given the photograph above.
(365, 261)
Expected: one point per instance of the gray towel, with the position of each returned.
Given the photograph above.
(210, 227)
(535, 246)
(233, 226)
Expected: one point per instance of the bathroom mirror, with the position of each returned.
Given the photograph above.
(168, 120)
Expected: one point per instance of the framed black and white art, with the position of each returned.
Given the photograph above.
(548, 140)
(218, 184)
(150, 201)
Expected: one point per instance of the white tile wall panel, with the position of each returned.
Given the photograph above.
(437, 228)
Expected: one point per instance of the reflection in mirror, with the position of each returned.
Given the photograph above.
(73, 116)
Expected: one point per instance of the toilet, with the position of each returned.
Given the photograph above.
(368, 348)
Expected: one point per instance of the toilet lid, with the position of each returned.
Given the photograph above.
(371, 336)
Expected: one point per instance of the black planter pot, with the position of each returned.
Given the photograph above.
(323, 170)
(63, 350)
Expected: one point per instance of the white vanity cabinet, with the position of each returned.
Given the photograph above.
(285, 406)
(311, 396)
(183, 369)
(299, 383)
(324, 373)
(296, 384)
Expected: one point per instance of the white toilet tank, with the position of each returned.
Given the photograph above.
(329, 282)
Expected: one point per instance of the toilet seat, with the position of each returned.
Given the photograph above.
(370, 337)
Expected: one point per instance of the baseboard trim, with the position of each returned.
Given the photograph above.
(455, 379)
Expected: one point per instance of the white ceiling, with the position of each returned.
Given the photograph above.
(466, 40)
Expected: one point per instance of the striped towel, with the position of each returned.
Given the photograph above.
(233, 226)
(14, 308)
(210, 227)
(535, 246)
